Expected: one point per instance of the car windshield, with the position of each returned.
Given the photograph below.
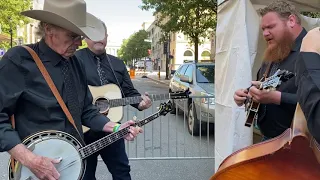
(205, 74)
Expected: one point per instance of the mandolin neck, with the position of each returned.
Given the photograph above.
(111, 138)
(136, 100)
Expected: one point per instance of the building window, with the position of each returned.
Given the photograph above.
(188, 53)
(205, 55)
(188, 56)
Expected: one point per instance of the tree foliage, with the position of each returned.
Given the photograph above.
(10, 15)
(135, 47)
(195, 18)
(311, 14)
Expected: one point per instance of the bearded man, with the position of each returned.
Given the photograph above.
(282, 30)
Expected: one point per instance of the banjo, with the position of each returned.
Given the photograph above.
(57, 144)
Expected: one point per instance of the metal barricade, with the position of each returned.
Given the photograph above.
(167, 137)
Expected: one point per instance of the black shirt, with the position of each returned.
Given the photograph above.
(89, 60)
(308, 82)
(25, 93)
(279, 117)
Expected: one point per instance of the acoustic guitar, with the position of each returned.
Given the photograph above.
(108, 99)
(294, 155)
(57, 144)
(271, 83)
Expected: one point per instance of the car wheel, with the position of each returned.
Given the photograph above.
(193, 122)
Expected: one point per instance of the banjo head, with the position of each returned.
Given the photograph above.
(53, 144)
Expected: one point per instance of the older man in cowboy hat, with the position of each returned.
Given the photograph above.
(25, 94)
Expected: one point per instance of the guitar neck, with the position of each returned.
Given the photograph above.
(136, 100)
(111, 138)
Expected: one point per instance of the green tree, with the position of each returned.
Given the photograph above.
(121, 53)
(311, 14)
(195, 18)
(135, 47)
(10, 16)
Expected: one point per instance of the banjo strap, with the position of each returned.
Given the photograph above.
(53, 88)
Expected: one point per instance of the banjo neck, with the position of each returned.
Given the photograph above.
(111, 138)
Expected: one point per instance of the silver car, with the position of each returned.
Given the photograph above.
(199, 78)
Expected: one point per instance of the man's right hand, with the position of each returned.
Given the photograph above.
(43, 168)
(240, 96)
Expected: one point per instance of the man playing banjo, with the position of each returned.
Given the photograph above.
(25, 93)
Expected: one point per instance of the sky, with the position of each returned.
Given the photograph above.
(122, 17)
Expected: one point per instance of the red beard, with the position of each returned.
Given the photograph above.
(279, 49)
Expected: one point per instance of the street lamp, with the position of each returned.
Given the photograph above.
(10, 30)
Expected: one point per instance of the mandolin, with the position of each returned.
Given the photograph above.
(271, 83)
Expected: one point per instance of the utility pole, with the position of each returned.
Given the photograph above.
(167, 50)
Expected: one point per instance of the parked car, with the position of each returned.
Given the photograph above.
(199, 78)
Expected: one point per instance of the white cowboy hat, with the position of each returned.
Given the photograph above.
(70, 15)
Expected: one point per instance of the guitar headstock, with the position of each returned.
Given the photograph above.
(165, 108)
(180, 94)
(275, 80)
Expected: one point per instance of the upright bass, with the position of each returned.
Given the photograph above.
(293, 155)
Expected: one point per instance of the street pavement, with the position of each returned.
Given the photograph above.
(165, 151)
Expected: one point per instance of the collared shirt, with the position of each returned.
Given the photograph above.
(119, 75)
(279, 117)
(25, 93)
(308, 82)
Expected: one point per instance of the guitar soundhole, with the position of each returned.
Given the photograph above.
(102, 104)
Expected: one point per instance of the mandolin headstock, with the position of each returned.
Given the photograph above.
(165, 108)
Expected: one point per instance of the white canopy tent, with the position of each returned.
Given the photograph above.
(239, 49)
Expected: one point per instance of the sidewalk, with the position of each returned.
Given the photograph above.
(154, 76)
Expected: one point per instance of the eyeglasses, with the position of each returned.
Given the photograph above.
(76, 37)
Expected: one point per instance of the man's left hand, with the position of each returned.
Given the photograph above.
(145, 103)
(264, 96)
